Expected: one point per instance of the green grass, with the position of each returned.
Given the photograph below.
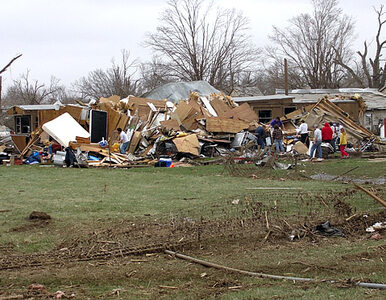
(82, 200)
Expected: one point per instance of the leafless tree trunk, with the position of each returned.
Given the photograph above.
(374, 76)
(312, 42)
(1, 78)
(116, 80)
(196, 48)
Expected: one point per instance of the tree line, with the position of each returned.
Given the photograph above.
(196, 41)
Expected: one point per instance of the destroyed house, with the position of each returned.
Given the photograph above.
(28, 118)
(270, 106)
(366, 106)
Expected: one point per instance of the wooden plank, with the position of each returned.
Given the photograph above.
(82, 140)
(380, 200)
(243, 112)
(217, 124)
(134, 141)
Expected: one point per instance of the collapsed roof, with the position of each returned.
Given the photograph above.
(326, 111)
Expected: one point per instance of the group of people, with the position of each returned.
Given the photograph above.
(276, 132)
(332, 133)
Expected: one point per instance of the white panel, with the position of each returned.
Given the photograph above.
(64, 129)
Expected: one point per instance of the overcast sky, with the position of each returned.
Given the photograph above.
(69, 38)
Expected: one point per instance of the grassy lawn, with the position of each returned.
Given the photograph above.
(81, 201)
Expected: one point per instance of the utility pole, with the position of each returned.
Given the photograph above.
(285, 77)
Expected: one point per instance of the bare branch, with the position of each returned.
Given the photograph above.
(12, 60)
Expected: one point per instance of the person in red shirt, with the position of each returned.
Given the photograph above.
(327, 134)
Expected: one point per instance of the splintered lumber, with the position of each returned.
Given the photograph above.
(93, 147)
(217, 124)
(33, 140)
(243, 112)
(380, 200)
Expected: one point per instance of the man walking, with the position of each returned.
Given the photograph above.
(317, 142)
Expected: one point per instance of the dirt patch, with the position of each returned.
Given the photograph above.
(38, 215)
(32, 226)
(378, 252)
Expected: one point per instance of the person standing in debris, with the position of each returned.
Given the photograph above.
(326, 133)
(277, 136)
(278, 122)
(260, 135)
(334, 135)
(124, 140)
(317, 142)
(343, 143)
(303, 131)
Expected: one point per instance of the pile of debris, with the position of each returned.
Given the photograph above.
(195, 128)
(200, 127)
(326, 111)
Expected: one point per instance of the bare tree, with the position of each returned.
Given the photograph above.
(116, 80)
(29, 91)
(154, 74)
(196, 48)
(312, 43)
(368, 71)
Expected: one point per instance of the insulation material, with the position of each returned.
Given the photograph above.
(65, 129)
(208, 106)
(187, 144)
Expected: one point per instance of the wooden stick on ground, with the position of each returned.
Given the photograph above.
(383, 202)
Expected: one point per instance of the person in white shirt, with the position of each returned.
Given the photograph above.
(124, 140)
(317, 142)
(303, 131)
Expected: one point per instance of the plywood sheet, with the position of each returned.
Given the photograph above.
(217, 124)
(220, 107)
(187, 144)
(184, 111)
(300, 147)
(114, 99)
(134, 141)
(242, 112)
(170, 124)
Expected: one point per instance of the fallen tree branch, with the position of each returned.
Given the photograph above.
(263, 275)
